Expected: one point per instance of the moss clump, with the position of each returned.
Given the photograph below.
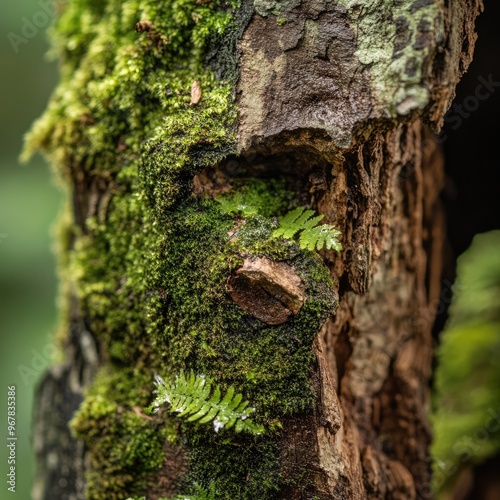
(210, 334)
(120, 88)
(172, 313)
(149, 261)
(124, 446)
(188, 142)
(256, 197)
(252, 472)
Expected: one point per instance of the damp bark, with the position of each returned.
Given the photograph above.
(324, 105)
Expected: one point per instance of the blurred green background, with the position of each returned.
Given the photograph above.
(466, 417)
(29, 203)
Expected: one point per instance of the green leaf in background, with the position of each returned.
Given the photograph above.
(467, 393)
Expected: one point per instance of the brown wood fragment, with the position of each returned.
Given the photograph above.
(270, 291)
(141, 414)
(143, 26)
(195, 93)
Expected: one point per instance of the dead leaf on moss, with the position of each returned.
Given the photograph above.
(195, 93)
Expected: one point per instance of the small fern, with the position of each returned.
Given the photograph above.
(200, 494)
(311, 236)
(236, 204)
(191, 397)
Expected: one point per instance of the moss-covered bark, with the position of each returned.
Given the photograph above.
(149, 252)
(149, 260)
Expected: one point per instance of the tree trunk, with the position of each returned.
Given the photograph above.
(332, 105)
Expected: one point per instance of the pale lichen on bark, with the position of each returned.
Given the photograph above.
(397, 43)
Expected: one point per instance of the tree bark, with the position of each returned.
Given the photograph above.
(339, 101)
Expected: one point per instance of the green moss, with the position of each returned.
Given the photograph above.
(251, 472)
(256, 197)
(124, 446)
(149, 261)
(119, 88)
(173, 313)
(188, 142)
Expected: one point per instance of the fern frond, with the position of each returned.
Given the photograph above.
(199, 494)
(236, 204)
(311, 236)
(191, 397)
(319, 237)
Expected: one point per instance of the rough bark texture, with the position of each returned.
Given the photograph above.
(304, 92)
(62, 460)
(337, 99)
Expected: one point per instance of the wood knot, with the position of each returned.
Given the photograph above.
(270, 291)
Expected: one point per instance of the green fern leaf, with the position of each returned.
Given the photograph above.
(200, 493)
(319, 237)
(292, 222)
(191, 397)
(311, 235)
(236, 204)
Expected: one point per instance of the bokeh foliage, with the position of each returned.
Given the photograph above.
(467, 400)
